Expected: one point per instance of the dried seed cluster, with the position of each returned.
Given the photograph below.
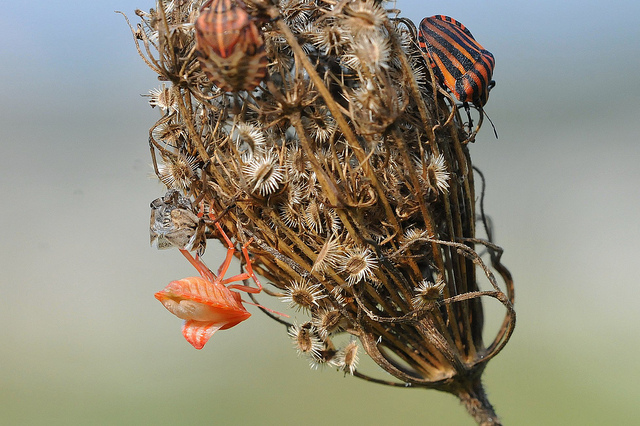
(347, 166)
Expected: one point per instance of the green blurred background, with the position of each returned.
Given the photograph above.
(83, 340)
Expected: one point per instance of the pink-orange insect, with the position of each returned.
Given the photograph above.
(205, 303)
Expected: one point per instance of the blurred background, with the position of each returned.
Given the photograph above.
(83, 341)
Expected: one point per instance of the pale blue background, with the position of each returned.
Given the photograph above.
(83, 340)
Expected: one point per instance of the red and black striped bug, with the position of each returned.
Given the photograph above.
(229, 46)
(459, 62)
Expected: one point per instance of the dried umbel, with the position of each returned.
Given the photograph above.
(345, 173)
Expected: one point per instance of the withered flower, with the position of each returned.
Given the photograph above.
(364, 16)
(305, 339)
(427, 293)
(164, 98)
(263, 173)
(347, 358)
(302, 295)
(328, 256)
(338, 164)
(357, 263)
(178, 172)
(433, 173)
(371, 53)
(249, 139)
(327, 321)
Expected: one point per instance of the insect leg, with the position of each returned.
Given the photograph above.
(199, 265)
(245, 275)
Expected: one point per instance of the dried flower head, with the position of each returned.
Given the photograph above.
(433, 173)
(178, 172)
(249, 139)
(326, 357)
(331, 158)
(302, 295)
(297, 12)
(427, 293)
(168, 132)
(164, 98)
(305, 339)
(347, 358)
(314, 216)
(339, 297)
(357, 263)
(328, 256)
(263, 173)
(413, 233)
(371, 53)
(296, 163)
(290, 215)
(364, 16)
(330, 39)
(320, 125)
(367, 98)
(327, 321)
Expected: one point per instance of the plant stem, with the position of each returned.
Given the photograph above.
(477, 404)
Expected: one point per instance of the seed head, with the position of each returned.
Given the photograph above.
(296, 163)
(371, 52)
(413, 233)
(321, 125)
(347, 358)
(263, 173)
(327, 356)
(296, 12)
(249, 139)
(290, 215)
(364, 16)
(163, 98)
(427, 293)
(330, 39)
(178, 172)
(305, 339)
(327, 321)
(366, 99)
(313, 216)
(303, 295)
(358, 263)
(328, 256)
(169, 133)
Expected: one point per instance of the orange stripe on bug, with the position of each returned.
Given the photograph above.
(205, 306)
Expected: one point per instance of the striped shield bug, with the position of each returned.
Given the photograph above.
(229, 46)
(459, 62)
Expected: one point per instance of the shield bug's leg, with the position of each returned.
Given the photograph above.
(467, 109)
(230, 247)
(227, 262)
(199, 265)
(245, 275)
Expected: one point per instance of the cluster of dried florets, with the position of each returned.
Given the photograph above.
(316, 130)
